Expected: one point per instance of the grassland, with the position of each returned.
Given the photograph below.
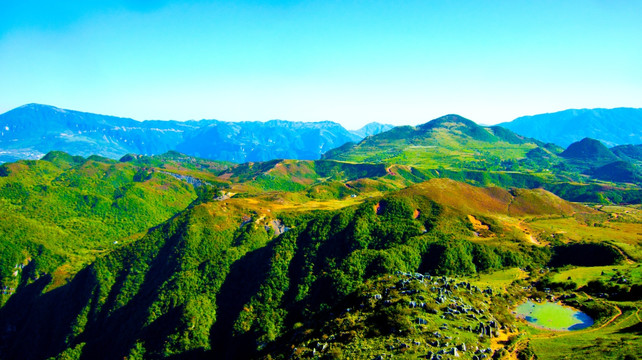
(582, 275)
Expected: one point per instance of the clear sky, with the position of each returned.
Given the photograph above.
(353, 62)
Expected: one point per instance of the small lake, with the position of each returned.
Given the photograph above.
(553, 316)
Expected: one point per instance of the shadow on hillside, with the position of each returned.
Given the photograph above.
(244, 279)
(633, 329)
(37, 325)
(110, 336)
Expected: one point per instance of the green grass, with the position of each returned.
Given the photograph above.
(582, 275)
(214, 269)
(499, 280)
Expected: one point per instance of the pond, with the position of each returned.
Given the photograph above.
(553, 316)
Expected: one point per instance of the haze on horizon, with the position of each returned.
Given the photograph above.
(349, 62)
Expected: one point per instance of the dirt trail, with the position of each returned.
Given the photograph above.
(497, 343)
(528, 234)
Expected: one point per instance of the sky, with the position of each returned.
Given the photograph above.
(352, 62)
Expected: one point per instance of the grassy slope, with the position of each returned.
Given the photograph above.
(448, 146)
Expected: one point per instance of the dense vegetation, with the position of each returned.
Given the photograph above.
(59, 213)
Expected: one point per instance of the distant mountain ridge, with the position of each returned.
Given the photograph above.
(612, 127)
(372, 128)
(30, 131)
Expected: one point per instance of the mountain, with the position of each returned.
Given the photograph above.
(449, 141)
(30, 131)
(372, 128)
(175, 257)
(612, 127)
(257, 141)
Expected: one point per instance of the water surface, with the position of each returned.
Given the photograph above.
(553, 316)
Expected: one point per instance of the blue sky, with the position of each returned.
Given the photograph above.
(353, 62)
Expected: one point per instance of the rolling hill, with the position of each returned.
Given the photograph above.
(612, 127)
(414, 242)
(632, 153)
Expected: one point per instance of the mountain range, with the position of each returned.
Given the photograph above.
(619, 126)
(30, 131)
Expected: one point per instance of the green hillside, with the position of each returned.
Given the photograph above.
(171, 256)
(63, 211)
(233, 278)
(456, 148)
(589, 151)
(618, 171)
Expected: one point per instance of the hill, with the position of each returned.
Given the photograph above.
(457, 148)
(589, 151)
(449, 141)
(618, 171)
(61, 212)
(30, 131)
(631, 153)
(617, 126)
